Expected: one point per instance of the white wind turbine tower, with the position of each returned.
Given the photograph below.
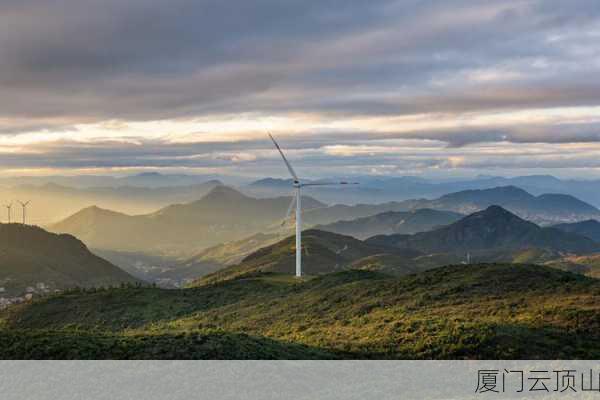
(297, 198)
(24, 205)
(9, 211)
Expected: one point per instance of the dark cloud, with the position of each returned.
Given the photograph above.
(66, 62)
(147, 60)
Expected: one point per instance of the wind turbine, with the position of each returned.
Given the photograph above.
(297, 198)
(24, 205)
(8, 210)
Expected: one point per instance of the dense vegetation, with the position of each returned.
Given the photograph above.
(466, 311)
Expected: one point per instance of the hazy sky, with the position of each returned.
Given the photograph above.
(349, 87)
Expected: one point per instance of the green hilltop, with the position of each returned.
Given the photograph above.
(491, 235)
(322, 253)
(486, 311)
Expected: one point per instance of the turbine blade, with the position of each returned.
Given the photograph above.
(290, 208)
(288, 165)
(330, 183)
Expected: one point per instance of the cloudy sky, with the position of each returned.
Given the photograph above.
(349, 87)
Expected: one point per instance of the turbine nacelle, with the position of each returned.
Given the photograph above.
(296, 199)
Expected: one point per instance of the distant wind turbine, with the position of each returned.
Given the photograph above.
(24, 205)
(8, 211)
(297, 198)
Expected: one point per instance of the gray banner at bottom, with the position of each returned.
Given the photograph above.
(165, 380)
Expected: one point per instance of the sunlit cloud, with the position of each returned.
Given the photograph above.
(388, 87)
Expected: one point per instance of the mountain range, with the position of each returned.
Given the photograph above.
(491, 235)
(56, 197)
(391, 222)
(43, 262)
(180, 230)
(388, 296)
(379, 189)
(545, 208)
(231, 223)
(542, 209)
(143, 180)
(52, 202)
(491, 229)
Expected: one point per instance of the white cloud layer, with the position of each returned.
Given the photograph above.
(388, 86)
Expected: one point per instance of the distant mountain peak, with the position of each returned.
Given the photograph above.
(87, 216)
(223, 192)
(491, 219)
(95, 210)
(495, 210)
(493, 228)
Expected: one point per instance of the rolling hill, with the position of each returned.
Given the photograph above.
(494, 229)
(32, 257)
(180, 230)
(53, 202)
(391, 222)
(234, 252)
(492, 235)
(487, 311)
(230, 253)
(543, 209)
(224, 215)
(323, 252)
(226, 225)
(397, 188)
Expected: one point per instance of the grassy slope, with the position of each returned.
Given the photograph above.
(474, 311)
(323, 252)
(233, 252)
